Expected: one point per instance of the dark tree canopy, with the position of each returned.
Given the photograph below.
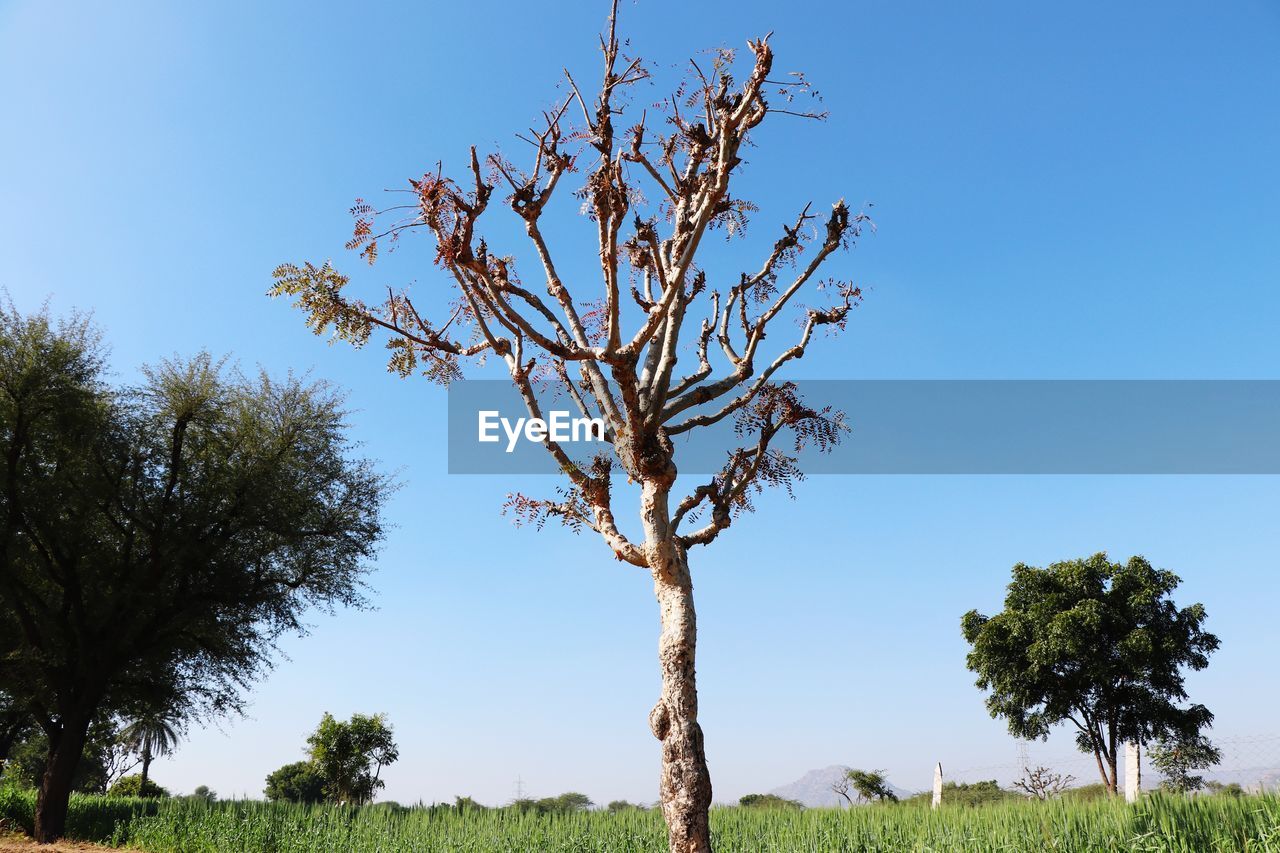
(156, 540)
(1096, 644)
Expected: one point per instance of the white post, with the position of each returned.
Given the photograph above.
(937, 785)
(1132, 772)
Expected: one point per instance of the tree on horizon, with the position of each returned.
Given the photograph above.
(1100, 646)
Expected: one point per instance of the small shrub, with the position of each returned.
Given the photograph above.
(131, 786)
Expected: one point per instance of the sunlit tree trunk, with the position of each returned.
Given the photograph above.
(685, 783)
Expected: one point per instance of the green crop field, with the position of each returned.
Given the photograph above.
(1157, 823)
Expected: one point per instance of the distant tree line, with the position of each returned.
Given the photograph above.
(768, 801)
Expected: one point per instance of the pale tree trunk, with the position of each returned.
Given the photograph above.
(685, 784)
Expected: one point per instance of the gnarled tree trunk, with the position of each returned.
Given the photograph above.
(66, 744)
(685, 784)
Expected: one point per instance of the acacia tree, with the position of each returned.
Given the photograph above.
(872, 786)
(1096, 644)
(614, 352)
(155, 541)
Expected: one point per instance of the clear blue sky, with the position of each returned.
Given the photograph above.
(1084, 190)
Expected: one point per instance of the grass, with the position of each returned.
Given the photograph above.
(1156, 823)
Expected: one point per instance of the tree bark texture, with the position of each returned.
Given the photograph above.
(685, 783)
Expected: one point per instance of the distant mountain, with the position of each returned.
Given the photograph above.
(814, 788)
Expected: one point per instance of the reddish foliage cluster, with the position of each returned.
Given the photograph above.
(583, 346)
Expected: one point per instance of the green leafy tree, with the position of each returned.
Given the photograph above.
(566, 803)
(570, 801)
(1096, 644)
(135, 786)
(976, 793)
(768, 801)
(350, 755)
(151, 735)
(155, 541)
(872, 786)
(204, 793)
(622, 806)
(1177, 758)
(299, 782)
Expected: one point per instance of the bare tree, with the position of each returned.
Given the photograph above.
(118, 758)
(615, 357)
(841, 787)
(1041, 783)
